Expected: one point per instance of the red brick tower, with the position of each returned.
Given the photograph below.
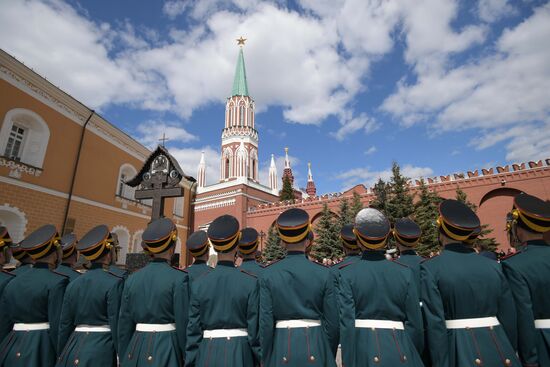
(311, 190)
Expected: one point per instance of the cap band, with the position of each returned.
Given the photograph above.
(248, 248)
(406, 241)
(18, 254)
(92, 253)
(349, 245)
(370, 243)
(448, 229)
(289, 238)
(69, 252)
(226, 244)
(164, 245)
(41, 250)
(535, 224)
(199, 251)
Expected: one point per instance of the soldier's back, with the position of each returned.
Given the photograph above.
(252, 266)
(197, 269)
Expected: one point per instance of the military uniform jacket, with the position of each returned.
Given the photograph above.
(459, 284)
(23, 268)
(197, 269)
(529, 275)
(68, 271)
(295, 288)
(156, 294)
(412, 260)
(5, 278)
(377, 289)
(123, 273)
(224, 298)
(252, 266)
(33, 297)
(92, 299)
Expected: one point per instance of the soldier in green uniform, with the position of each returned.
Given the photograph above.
(469, 309)
(25, 261)
(153, 314)
(298, 306)
(32, 302)
(407, 235)
(69, 258)
(380, 318)
(198, 247)
(89, 318)
(223, 310)
(528, 272)
(248, 250)
(5, 277)
(351, 248)
(113, 268)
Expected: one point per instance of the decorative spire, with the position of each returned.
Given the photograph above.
(287, 172)
(201, 182)
(287, 161)
(273, 174)
(240, 86)
(311, 190)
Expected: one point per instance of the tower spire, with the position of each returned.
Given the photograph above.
(201, 174)
(273, 174)
(240, 86)
(311, 190)
(287, 161)
(287, 172)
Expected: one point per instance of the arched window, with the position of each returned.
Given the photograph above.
(123, 241)
(241, 115)
(14, 220)
(24, 137)
(178, 206)
(231, 108)
(126, 172)
(253, 169)
(226, 170)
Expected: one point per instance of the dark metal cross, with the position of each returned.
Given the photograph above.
(158, 193)
(163, 139)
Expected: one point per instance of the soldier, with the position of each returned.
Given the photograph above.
(32, 302)
(407, 235)
(25, 261)
(298, 309)
(248, 246)
(381, 323)
(70, 256)
(153, 313)
(528, 272)
(469, 309)
(5, 276)
(198, 246)
(113, 268)
(349, 242)
(223, 310)
(89, 319)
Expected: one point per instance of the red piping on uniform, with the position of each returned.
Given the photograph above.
(493, 336)
(307, 344)
(209, 351)
(377, 344)
(131, 354)
(80, 345)
(397, 345)
(475, 345)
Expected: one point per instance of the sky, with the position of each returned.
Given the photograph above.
(439, 86)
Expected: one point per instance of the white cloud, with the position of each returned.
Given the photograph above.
(371, 150)
(361, 122)
(189, 159)
(493, 10)
(150, 132)
(173, 8)
(367, 177)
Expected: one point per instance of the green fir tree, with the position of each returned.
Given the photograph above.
(287, 192)
(356, 205)
(483, 241)
(400, 202)
(346, 214)
(327, 237)
(381, 193)
(426, 214)
(273, 248)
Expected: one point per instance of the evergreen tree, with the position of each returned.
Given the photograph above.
(287, 192)
(483, 241)
(356, 206)
(346, 213)
(381, 193)
(400, 202)
(327, 239)
(426, 214)
(273, 249)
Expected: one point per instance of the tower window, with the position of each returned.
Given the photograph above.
(14, 147)
(253, 169)
(241, 115)
(227, 168)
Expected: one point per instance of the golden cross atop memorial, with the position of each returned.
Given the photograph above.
(163, 139)
(241, 41)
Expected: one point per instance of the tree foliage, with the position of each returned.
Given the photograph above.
(345, 213)
(400, 201)
(381, 192)
(273, 249)
(327, 239)
(483, 241)
(356, 205)
(287, 192)
(426, 214)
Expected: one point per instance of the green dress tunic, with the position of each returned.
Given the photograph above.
(459, 284)
(225, 298)
(23, 268)
(295, 288)
(377, 289)
(529, 275)
(92, 299)
(5, 278)
(33, 297)
(155, 294)
(118, 271)
(252, 266)
(412, 260)
(67, 270)
(198, 268)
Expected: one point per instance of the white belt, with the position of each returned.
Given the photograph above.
(292, 324)
(149, 328)
(472, 323)
(379, 324)
(224, 333)
(92, 329)
(31, 327)
(542, 324)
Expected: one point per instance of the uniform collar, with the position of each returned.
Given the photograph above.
(374, 255)
(96, 266)
(226, 263)
(536, 243)
(408, 252)
(159, 260)
(42, 265)
(199, 262)
(459, 247)
(245, 260)
(67, 265)
(293, 253)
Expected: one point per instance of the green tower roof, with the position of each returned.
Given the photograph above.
(240, 87)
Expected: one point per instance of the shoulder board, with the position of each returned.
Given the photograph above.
(248, 273)
(345, 265)
(116, 275)
(321, 264)
(183, 270)
(428, 258)
(398, 263)
(7, 272)
(271, 263)
(510, 255)
(58, 273)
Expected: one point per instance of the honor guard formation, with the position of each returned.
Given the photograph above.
(458, 308)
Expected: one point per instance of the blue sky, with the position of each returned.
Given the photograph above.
(439, 86)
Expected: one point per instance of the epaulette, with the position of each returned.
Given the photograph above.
(506, 257)
(63, 275)
(321, 264)
(271, 263)
(345, 265)
(398, 263)
(7, 272)
(180, 269)
(113, 274)
(428, 259)
(246, 272)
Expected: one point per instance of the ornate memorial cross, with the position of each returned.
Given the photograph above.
(163, 139)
